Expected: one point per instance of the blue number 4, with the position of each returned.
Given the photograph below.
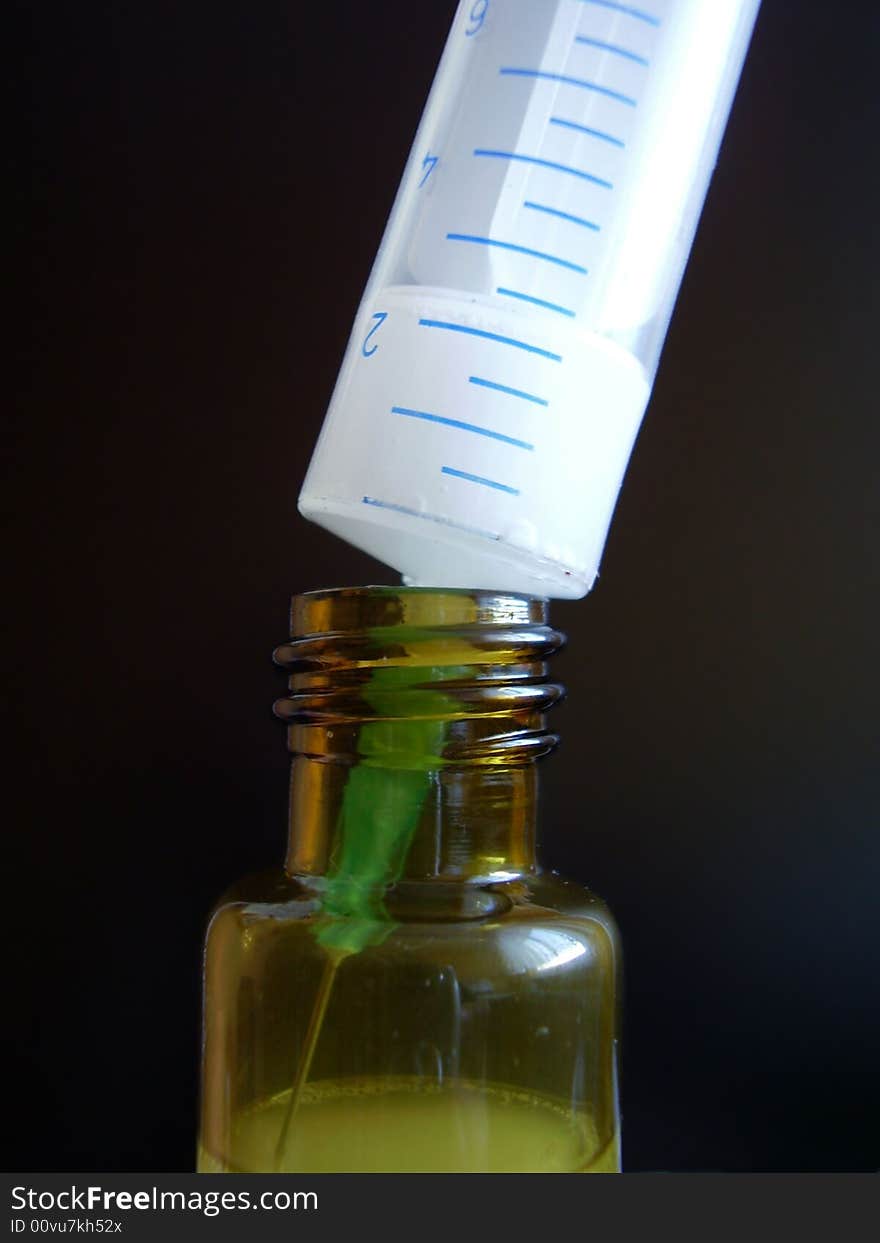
(428, 164)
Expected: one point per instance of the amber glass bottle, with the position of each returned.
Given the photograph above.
(411, 992)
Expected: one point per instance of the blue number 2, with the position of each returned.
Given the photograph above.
(478, 16)
(379, 317)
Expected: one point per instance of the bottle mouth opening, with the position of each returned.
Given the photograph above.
(345, 609)
(438, 676)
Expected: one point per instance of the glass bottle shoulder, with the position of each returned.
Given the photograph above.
(537, 924)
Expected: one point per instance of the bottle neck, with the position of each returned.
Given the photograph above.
(469, 824)
(415, 717)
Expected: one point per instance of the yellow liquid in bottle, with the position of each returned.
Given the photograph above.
(399, 1126)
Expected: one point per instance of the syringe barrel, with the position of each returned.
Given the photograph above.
(503, 354)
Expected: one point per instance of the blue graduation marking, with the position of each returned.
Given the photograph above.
(563, 215)
(585, 129)
(509, 71)
(486, 483)
(378, 503)
(614, 48)
(511, 392)
(527, 297)
(520, 250)
(638, 14)
(460, 426)
(490, 336)
(551, 164)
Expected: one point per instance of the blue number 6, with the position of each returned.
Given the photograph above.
(478, 16)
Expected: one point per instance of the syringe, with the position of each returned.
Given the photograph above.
(505, 348)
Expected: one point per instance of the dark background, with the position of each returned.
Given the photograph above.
(184, 172)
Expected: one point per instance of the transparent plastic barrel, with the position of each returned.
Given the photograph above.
(504, 351)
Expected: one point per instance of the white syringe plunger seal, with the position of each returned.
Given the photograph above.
(506, 344)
